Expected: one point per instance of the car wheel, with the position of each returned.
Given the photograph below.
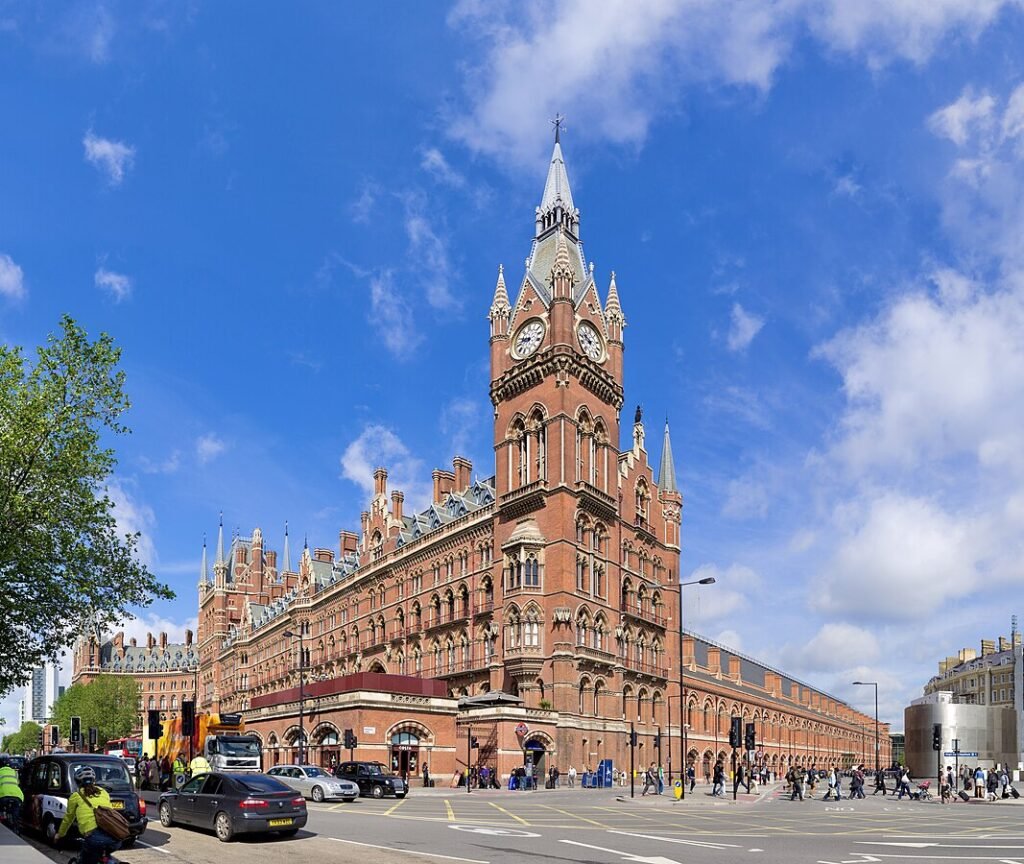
(50, 828)
(318, 794)
(291, 832)
(166, 819)
(377, 792)
(222, 825)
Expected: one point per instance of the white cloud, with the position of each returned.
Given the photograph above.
(847, 186)
(959, 121)
(378, 446)
(1013, 118)
(429, 255)
(623, 64)
(209, 447)
(12, 280)
(745, 499)
(460, 421)
(437, 166)
(134, 516)
(703, 605)
(391, 316)
(743, 327)
(730, 639)
(362, 207)
(100, 34)
(166, 466)
(113, 158)
(835, 647)
(117, 285)
(141, 626)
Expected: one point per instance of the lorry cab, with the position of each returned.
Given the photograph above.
(233, 752)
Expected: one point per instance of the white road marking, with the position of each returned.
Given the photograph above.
(927, 845)
(708, 844)
(627, 856)
(494, 832)
(154, 848)
(408, 851)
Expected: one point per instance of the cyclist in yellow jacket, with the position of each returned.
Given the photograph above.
(81, 812)
(11, 796)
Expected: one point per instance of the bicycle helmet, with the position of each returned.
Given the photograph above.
(84, 775)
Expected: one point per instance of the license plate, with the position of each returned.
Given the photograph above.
(277, 823)
(117, 805)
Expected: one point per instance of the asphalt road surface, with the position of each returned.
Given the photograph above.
(499, 827)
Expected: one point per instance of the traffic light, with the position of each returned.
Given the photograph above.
(736, 732)
(76, 730)
(188, 718)
(633, 738)
(657, 739)
(42, 740)
(156, 728)
(94, 736)
(749, 738)
(350, 741)
(936, 736)
(54, 736)
(474, 742)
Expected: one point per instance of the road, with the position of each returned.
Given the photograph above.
(498, 827)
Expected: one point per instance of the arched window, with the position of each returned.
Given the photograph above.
(584, 687)
(581, 573)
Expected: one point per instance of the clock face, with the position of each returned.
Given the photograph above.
(590, 341)
(528, 339)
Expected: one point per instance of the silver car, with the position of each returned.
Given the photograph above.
(314, 782)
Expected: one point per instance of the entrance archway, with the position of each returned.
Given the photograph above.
(405, 754)
(534, 753)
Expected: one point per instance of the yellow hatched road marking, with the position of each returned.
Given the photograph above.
(518, 819)
(575, 816)
(391, 810)
(448, 807)
(336, 806)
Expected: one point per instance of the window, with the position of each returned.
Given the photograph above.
(532, 573)
(581, 574)
(531, 634)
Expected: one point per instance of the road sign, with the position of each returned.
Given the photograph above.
(970, 754)
(677, 788)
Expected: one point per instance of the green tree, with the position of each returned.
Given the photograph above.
(25, 739)
(65, 566)
(108, 702)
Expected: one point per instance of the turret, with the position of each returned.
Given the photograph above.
(616, 322)
(499, 315)
(668, 493)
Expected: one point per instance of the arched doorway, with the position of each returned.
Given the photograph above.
(405, 754)
(533, 754)
(327, 746)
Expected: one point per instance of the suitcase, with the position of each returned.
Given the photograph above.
(1014, 792)
(964, 796)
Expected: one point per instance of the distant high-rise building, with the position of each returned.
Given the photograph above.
(41, 691)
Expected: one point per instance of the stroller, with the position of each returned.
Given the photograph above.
(922, 793)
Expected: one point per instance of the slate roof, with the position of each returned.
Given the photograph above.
(139, 658)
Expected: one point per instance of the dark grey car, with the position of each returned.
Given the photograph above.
(231, 804)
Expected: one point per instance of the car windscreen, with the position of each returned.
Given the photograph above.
(312, 771)
(260, 783)
(238, 746)
(374, 768)
(112, 775)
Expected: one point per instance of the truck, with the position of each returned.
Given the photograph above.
(220, 738)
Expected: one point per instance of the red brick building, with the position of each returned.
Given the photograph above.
(539, 606)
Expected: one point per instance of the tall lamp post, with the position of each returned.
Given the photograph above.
(708, 580)
(875, 685)
(302, 694)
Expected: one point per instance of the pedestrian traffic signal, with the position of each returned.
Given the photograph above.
(54, 736)
(474, 743)
(188, 717)
(736, 733)
(156, 728)
(749, 738)
(76, 730)
(936, 736)
(632, 739)
(657, 739)
(350, 740)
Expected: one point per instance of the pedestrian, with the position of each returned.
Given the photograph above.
(738, 779)
(879, 783)
(707, 772)
(979, 782)
(1004, 781)
(691, 775)
(833, 789)
(992, 785)
(81, 812)
(199, 765)
(485, 776)
(904, 784)
(12, 799)
(426, 776)
(558, 774)
(572, 776)
(650, 781)
(796, 781)
(718, 777)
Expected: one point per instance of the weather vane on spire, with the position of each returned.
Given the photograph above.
(557, 123)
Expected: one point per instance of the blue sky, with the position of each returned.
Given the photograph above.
(291, 220)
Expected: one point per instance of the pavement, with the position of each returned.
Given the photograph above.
(603, 826)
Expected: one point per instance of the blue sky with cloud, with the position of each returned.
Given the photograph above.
(291, 221)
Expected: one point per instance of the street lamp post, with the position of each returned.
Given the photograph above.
(708, 580)
(875, 685)
(302, 693)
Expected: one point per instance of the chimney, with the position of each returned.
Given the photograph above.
(132, 642)
(150, 641)
(714, 661)
(794, 691)
(271, 559)
(396, 505)
(321, 554)
(347, 542)
(163, 639)
(188, 637)
(364, 522)
(119, 642)
(443, 481)
(380, 482)
(688, 653)
(734, 668)
(463, 472)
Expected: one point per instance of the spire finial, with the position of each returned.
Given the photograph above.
(557, 123)
(204, 572)
(220, 541)
(287, 549)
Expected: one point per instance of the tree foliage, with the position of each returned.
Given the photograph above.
(25, 739)
(64, 564)
(108, 702)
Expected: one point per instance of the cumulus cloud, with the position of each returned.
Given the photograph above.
(745, 499)
(141, 626)
(743, 327)
(391, 316)
(362, 207)
(429, 255)
(960, 120)
(378, 446)
(209, 447)
(134, 516)
(112, 158)
(438, 167)
(12, 279)
(622, 64)
(460, 421)
(734, 588)
(835, 647)
(161, 466)
(117, 285)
